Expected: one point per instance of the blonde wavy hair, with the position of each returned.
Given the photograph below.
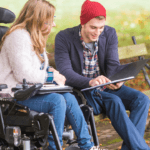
(32, 17)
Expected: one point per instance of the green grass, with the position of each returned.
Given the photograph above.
(127, 24)
(109, 142)
(114, 141)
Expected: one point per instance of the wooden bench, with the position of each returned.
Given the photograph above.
(130, 51)
(127, 52)
(136, 50)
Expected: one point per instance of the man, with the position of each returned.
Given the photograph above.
(87, 55)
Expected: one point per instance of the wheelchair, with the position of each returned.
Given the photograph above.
(22, 128)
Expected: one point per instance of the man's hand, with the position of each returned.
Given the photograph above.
(102, 80)
(99, 80)
(115, 87)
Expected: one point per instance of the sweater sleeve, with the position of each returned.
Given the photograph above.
(23, 61)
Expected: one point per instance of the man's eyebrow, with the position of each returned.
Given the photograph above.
(96, 26)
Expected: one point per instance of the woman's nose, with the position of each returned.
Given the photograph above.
(54, 24)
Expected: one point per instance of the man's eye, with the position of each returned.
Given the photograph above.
(92, 27)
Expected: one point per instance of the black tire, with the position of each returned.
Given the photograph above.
(73, 147)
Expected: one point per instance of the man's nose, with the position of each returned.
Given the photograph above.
(98, 31)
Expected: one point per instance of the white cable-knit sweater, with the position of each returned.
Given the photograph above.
(19, 61)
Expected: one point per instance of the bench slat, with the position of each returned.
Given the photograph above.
(132, 51)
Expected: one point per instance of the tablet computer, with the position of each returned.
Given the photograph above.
(131, 70)
(127, 73)
(52, 88)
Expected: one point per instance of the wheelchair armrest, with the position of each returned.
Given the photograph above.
(79, 93)
(3, 86)
(25, 94)
(18, 87)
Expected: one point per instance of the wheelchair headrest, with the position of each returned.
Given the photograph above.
(6, 16)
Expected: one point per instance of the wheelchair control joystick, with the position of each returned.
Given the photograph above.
(25, 85)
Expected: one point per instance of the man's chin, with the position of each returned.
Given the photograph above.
(93, 39)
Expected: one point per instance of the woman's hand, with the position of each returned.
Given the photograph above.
(58, 78)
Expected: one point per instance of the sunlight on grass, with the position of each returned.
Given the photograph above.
(127, 24)
(129, 19)
(114, 141)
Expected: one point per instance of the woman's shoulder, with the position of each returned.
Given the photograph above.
(19, 33)
(17, 38)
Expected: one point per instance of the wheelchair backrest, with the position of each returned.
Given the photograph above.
(6, 16)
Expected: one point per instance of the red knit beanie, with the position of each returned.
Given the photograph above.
(91, 10)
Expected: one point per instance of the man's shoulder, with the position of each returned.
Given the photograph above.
(69, 32)
(109, 30)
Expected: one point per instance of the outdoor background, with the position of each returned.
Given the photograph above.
(129, 18)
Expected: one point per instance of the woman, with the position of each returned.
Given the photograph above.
(23, 55)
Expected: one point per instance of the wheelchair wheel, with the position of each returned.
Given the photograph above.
(73, 147)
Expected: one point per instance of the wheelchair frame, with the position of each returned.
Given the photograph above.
(16, 113)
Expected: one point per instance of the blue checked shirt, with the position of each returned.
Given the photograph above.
(90, 61)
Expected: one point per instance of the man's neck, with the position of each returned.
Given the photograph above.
(84, 38)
